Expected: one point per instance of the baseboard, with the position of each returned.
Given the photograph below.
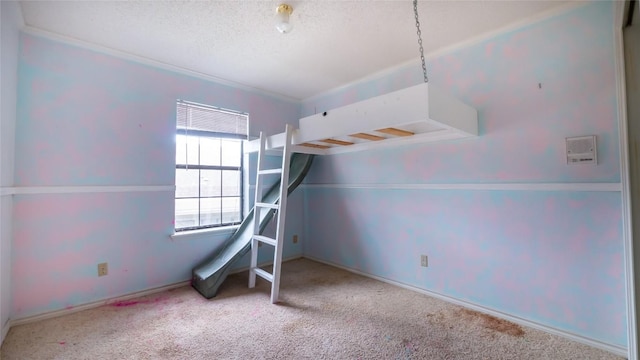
(95, 304)
(618, 350)
(5, 331)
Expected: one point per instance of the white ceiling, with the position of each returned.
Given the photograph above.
(332, 43)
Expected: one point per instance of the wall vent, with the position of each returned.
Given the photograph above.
(582, 150)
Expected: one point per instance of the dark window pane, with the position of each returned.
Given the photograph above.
(210, 183)
(210, 212)
(186, 213)
(187, 182)
(231, 183)
(209, 151)
(231, 154)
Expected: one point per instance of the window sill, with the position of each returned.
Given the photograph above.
(223, 230)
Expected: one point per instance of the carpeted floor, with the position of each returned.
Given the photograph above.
(325, 313)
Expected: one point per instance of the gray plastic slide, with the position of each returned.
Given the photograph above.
(209, 274)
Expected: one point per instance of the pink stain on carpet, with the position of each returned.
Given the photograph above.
(127, 303)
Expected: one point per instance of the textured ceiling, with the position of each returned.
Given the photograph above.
(332, 43)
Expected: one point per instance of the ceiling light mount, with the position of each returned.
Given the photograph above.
(283, 12)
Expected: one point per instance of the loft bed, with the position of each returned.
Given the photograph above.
(416, 114)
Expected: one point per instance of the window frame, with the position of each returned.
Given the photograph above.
(185, 165)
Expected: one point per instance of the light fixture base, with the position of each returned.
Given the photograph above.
(284, 9)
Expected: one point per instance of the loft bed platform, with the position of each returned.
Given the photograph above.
(416, 114)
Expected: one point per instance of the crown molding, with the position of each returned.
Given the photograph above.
(518, 25)
(150, 62)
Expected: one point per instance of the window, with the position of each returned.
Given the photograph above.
(208, 166)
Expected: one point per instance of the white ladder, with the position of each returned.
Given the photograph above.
(281, 210)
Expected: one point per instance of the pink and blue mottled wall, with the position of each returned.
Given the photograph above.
(551, 254)
(10, 26)
(85, 118)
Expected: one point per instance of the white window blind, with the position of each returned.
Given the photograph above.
(196, 117)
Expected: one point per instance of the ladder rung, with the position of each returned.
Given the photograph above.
(268, 205)
(270, 171)
(263, 274)
(265, 239)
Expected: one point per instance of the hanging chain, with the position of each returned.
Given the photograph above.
(424, 66)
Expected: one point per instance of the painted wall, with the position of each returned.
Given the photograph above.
(552, 257)
(632, 65)
(11, 23)
(90, 119)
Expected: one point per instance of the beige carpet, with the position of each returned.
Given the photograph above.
(325, 313)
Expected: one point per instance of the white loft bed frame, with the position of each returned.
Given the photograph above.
(416, 114)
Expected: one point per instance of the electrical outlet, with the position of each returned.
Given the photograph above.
(424, 261)
(295, 239)
(103, 269)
